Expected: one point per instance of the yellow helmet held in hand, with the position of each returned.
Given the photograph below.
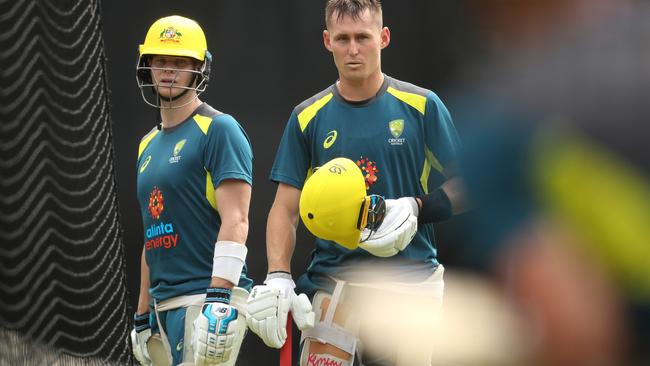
(334, 205)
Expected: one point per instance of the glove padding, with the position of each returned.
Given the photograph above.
(214, 330)
(139, 337)
(268, 307)
(396, 231)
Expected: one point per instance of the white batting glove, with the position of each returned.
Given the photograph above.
(269, 304)
(139, 337)
(396, 231)
(214, 328)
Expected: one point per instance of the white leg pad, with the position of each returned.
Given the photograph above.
(326, 332)
(157, 351)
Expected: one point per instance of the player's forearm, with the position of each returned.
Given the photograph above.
(234, 229)
(230, 251)
(444, 202)
(143, 298)
(455, 188)
(234, 200)
(280, 238)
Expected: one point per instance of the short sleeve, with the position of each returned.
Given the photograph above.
(441, 135)
(292, 160)
(228, 153)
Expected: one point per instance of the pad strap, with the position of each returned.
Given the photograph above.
(331, 334)
(228, 262)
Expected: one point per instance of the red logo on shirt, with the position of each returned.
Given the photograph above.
(156, 203)
(369, 170)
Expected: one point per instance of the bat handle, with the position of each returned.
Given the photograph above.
(285, 351)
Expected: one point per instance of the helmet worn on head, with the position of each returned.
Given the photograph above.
(334, 205)
(173, 36)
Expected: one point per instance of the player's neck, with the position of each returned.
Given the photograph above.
(360, 89)
(171, 117)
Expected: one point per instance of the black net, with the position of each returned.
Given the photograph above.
(63, 296)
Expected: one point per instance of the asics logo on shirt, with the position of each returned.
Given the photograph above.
(145, 163)
(330, 139)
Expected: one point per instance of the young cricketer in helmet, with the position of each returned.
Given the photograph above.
(194, 188)
(173, 66)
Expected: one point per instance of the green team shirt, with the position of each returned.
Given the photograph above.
(178, 170)
(399, 139)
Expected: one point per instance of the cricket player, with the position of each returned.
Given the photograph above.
(194, 176)
(399, 135)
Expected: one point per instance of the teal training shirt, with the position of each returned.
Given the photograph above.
(398, 138)
(178, 170)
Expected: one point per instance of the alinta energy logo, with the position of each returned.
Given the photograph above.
(161, 234)
(156, 203)
(369, 170)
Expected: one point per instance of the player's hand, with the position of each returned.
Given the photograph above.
(139, 337)
(269, 305)
(396, 231)
(214, 328)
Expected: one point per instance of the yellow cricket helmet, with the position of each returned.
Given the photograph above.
(334, 205)
(175, 36)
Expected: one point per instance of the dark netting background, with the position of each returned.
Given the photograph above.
(63, 297)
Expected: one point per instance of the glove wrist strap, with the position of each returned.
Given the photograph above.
(280, 280)
(218, 294)
(278, 274)
(141, 322)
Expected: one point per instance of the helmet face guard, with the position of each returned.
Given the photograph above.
(149, 86)
(371, 215)
(173, 36)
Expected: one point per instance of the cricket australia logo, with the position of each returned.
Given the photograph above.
(170, 34)
(175, 158)
(396, 128)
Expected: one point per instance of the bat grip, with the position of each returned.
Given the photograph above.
(285, 351)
